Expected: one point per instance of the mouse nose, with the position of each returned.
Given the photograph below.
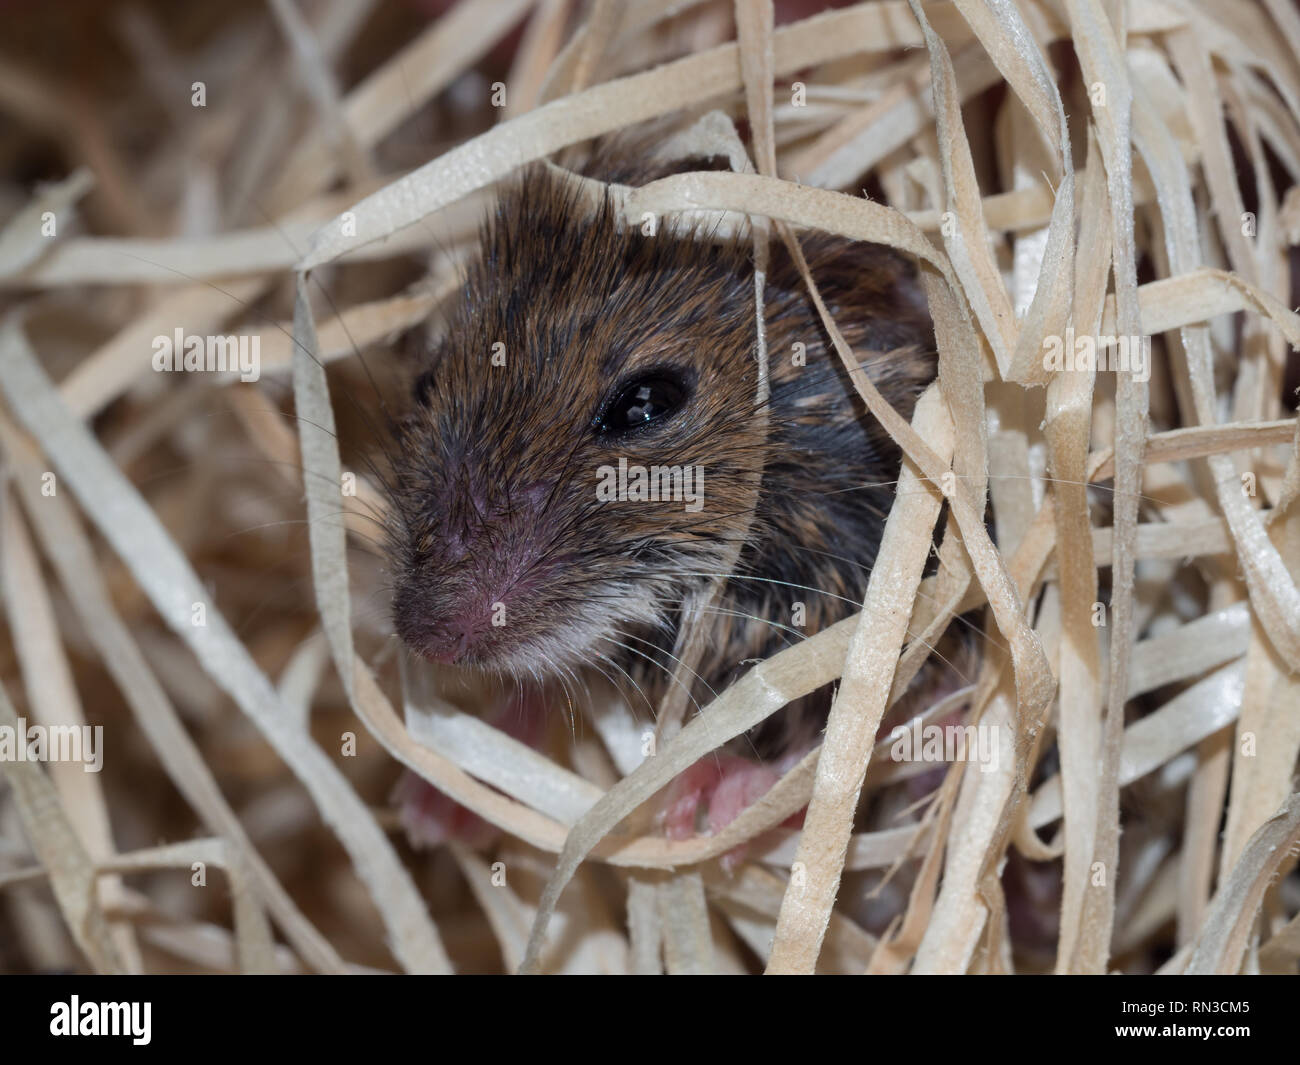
(453, 627)
(448, 641)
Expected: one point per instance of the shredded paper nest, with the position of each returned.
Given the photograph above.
(193, 561)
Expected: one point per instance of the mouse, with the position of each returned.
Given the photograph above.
(582, 441)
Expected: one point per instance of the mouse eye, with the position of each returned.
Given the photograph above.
(645, 399)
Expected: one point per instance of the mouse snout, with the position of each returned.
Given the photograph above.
(450, 641)
(443, 629)
(455, 602)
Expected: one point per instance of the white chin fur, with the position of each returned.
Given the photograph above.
(573, 645)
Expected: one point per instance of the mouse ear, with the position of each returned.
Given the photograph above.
(419, 352)
(874, 294)
(634, 156)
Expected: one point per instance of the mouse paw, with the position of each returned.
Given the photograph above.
(711, 794)
(429, 818)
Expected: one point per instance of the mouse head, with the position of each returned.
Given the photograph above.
(583, 444)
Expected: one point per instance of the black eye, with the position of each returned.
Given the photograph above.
(646, 399)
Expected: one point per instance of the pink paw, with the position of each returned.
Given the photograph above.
(430, 818)
(711, 794)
